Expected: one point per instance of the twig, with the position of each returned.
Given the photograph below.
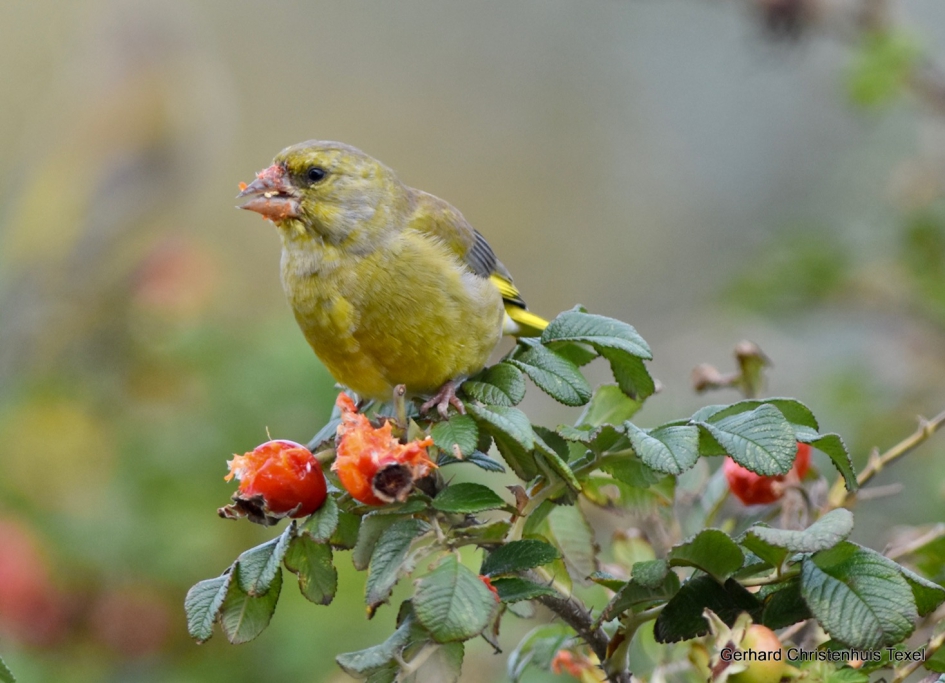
(933, 534)
(578, 617)
(931, 647)
(839, 496)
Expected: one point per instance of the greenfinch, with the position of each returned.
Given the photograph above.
(390, 285)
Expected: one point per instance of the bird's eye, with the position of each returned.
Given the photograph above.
(315, 174)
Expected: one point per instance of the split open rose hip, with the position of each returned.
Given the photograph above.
(373, 466)
(277, 479)
(757, 489)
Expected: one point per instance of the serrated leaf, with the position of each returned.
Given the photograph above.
(710, 550)
(760, 440)
(553, 374)
(372, 526)
(467, 498)
(546, 455)
(596, 330)
(637, 597)
(773, 545)
(671, 450)
(574, 537)
(6, 676)
(203, 603)
(858, 596)
(793, 411)
(477, 458)
(928, 594)
(517, 556)
(312, 562)
(520, 461)
(345, 535)
(608, 405)
(459, 430)
(361, 662)
(649, 573)
(579, 354)
(499, 385)
(244, 616)
(682, 618)
(515, 589)
(452, 603)
(509, 422)
(388, 559)
(259, 565)
(836, 450)
(783, 605)
(322, 523)
(630, 374)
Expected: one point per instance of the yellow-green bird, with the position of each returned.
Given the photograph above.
(389, 284)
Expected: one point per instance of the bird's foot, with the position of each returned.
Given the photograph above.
(443, 399)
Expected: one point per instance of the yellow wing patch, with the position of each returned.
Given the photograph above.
(520, 322)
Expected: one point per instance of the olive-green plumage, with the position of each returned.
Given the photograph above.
(389, 284)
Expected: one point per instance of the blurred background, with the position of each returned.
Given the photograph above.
(707, 170)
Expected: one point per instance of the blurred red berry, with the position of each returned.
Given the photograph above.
(757, 489)
(278, 477)
(132, 621)
(373, 466)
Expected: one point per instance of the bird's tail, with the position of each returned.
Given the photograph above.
(519, 321)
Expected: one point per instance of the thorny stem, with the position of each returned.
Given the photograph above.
(839, 496)
(578, 617)
(931, 647)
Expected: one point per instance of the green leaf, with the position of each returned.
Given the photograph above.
(443, 665)
(517, 556)
(459, 430)
(608, 405)
(483, 534)
(596, 330)
(345, 535)
(637, 597)
(372, 526)
(836, 450)
(508, 422)
(858, 596)
(387, 561)
(259, 565)
(793, 411)
(546, 455)
(521, 461)
(574, 537)
(6, 676)
(682, 618)
(630, 373)
(710, 550)
(322, 523)
(467, 497)
(499, 385)
(773, 545)
(579, 354)
(515, 589)
(312, 562)
(882, 68)
(936, 663)
(928, 594)
(760, 440)
(452, 603)
(649, 573)
(244, 616)
(783, 605)
(671, 450)
(362, 662)
(556, 376)
(203, 603)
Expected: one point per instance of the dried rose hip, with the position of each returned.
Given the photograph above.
(757, 489)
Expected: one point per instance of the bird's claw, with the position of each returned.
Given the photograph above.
(443, 399)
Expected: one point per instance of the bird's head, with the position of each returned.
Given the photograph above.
(326, 190)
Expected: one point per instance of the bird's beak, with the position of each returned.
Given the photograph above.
(273, 195)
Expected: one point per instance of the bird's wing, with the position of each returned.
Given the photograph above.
(438, 218)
